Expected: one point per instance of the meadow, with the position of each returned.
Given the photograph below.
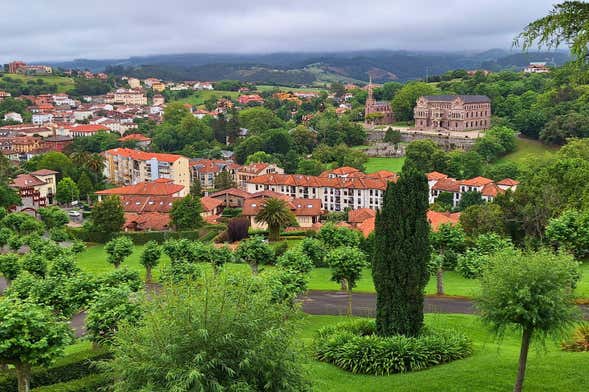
(64, 84)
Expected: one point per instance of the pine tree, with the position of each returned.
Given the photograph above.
(401, 256)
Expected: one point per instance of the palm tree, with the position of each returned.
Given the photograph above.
(95, 163)
(276, 214)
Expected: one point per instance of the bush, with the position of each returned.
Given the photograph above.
(71, 367)
(315, 250)
(90, 383)
(471, 263)
(122, 276)
(58, 235)
(237, 229)
(280, 248)
(579, 341)
(354, 347)
(231, 212)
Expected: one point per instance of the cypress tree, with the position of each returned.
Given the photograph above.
(401, 255)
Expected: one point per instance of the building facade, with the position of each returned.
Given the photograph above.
(124, 166)
(377, 112)
(452, 113)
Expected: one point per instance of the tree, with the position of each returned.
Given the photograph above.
(567, 23)
(196, 188)
(118, 249)
(67, 191)
(346, 265)
(9, 267)
(85, 186)
(570, 231)
(237, 228)
(260, 157)
(481, 219)
(276, 214)
(471, 198)
(447, 238)
(404, 100)
(310, 167)
(150, 258)
(31, 335)
(224, 180)
(392, 136)
(108, 215)
(185, 213)
(401, 255)
(530, 291)
(8, 196)
(333, 236)
(259, 119)
(315, 251)
(112, 306)
(227, 333)
(295, 260)
(254, 251)
(53, 217)
(426, 156)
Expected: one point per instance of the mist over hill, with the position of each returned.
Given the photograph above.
(308, 68)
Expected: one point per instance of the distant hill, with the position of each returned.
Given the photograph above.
(307, 68)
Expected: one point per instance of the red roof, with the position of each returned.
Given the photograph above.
(434, 176)
(160, 187)
(436, 219)
(508, 182)
(88, 128)
(299, 207)
(367, 226)
(477, 181)
(340, 171)
(143, 155)
(147, 221)
(313, 181)
(447, 185)
(135, 137)
(360, 215)
(232, 192)
(209, 204)
(491, 190)
(44, 172)
(26, 181)
(142, 204)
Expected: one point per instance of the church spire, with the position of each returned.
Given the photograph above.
(370, 97)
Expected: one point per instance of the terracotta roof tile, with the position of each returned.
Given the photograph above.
(160, 187)
(436, 219)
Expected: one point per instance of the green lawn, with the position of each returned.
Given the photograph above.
(390, 164)
(199, 97)
(492, 367)
(263, 87)
(63, 83)
(527, 147)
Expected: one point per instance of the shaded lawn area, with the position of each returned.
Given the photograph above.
(93, 261)
(390, 164)
(525, 148)
(492, 367)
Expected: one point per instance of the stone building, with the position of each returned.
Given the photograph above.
(452, 113)
(377, 112)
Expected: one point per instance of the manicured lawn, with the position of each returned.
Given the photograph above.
(390, 164)
(492, 367)
(199, 97)
(527, 147)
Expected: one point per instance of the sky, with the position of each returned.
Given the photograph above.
(37, 30)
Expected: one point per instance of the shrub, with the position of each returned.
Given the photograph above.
(354, 347)
(122, 276)
(90, 383)
(58, 235)
(280, 248)
(315, 251)
(579, 341)
(237, 229)
(471, 263)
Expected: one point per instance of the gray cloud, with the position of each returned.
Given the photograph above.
(66, 29)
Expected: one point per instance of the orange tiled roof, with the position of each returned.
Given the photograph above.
(87, 128)
(142, 204)
(340, 171)
(313, 181)
(491, 190)
(135, 137)
(44, 172)
(433, 176)
(209, 203)
(360, 215)
(160, 187)
(231, 191)
(447, 185)
(299, 207)
(508, 182)
(143, 155)
(367, 226)
(477, 181)
(436, 219)
(147, 221)
(26, 181)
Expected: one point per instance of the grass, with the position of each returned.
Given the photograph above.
(63, 83)
(199, 97)
(263, 87)
(492, 367)
(390, 164)
(525, 148)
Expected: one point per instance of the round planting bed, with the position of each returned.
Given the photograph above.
(354, 346)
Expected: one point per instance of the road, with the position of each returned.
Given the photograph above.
(335, 303)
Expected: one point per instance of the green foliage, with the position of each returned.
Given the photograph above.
(118, 249)
(468, 199)
(35, 264)
(404, 100)
(223, 181)
(276, 214)
(89, 383)
(185, 213)
(31, 336)
(333, 236)
(346, 264)
(183, 342)
(392, 136)
(22, 223)
(570, 232)
(340, 155)
(58, 235)
(122, 277)
(497, 141)
(354, 347)
(111, 307)
(9, 266)
(315, 251)
(108, 216)
(53, 217)
(67, 191)
(295, 260)
(482, 219)
(254, 251)
(8, 196)
(150, 257)
(401, 255)
(426, 156)
(259, 119)
(471, 264)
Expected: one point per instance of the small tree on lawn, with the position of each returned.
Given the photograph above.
(531, 291)
(53, 217)
(67, 191)
(447, 238)
(118, 249)
(401, 255)
(276, 214)
(254, 251)
(185, 213)
(30, 336)
(150, 258)
(295, 260)
(9, 267)
(108, 216)
(346, 265)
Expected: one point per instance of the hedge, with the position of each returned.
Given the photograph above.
(68, 368)
(204, 234)
(91, 383)
(355, 347)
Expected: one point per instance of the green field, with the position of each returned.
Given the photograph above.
(264, 87)
(526, 148)
(63, 83)
(199, 97)
(492, 367)
(93, 261)
(390, 164)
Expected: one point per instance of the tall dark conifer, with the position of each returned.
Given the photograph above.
(401, 255)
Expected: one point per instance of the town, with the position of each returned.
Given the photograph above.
(331, 224)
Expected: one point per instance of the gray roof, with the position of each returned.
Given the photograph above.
(465, 98)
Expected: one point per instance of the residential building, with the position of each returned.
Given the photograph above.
(207, 170)
(158, 100)
(452, 113)
(306, 211)
(537, 67)
(140, 140)
(158, 86)
(83, 130)
(245, 173)
(42, 118)
(13, 116)
(134, 83)
(37, 188)
(125, 166)
(129, 97)
(248, 99)
(4, 94)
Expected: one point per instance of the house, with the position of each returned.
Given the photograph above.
(436, 218)
(42, 118)
(140, 140)
(207, 170)
(125, 166)
(37, 188)
(83, 130)
(161, 187)
(128, 97)
(231, 198)
(439, 183)
(537, 67)
(452, 113)
(13, 116)
(158, 86)
(158, 100)
(306, 211)
(248, 99)
(134, 83)
(246, 173)
(211, 207)
(377, 112)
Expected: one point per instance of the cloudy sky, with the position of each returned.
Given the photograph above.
(67, 29)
